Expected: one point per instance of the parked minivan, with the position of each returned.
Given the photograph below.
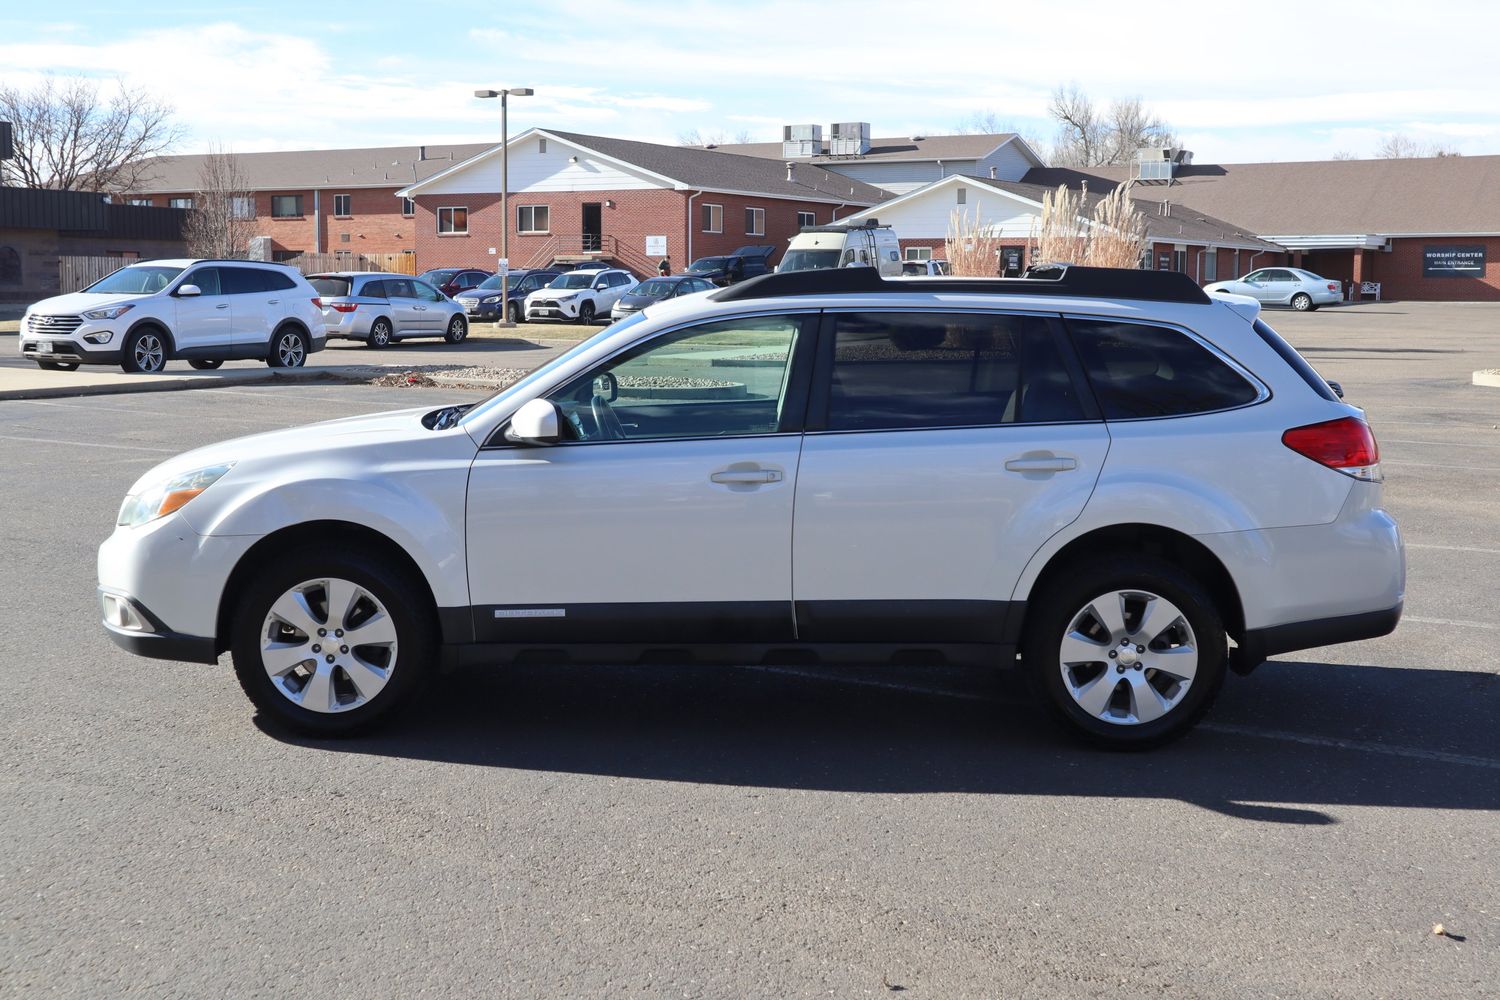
(867, 245)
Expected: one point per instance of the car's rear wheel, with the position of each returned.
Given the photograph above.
(586, 313)
(206, 364)
(288, 349)
(329, 641)
(458, 329)
(58, 366)
(380, 334)
(145, 352)
(1129, 652)
(1302, 302)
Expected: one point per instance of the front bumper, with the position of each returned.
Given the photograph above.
(485, 312)
(69, 350)
(136, 630)
(550, 309)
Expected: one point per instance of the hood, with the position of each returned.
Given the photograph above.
(77, 302)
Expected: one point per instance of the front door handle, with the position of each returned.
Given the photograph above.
(1042, 463)
(747, 477)
(222, 305)
(273, 302)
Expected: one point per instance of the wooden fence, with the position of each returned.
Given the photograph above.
(314, 263)
(74, 273)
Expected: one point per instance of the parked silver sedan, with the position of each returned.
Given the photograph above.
(379, 307)
(1283, 286)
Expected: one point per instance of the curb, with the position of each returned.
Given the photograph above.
(1489, 377)
(330, 373)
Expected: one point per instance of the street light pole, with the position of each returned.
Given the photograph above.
(505, 320)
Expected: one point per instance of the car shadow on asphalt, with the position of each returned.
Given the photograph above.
(1292, 737)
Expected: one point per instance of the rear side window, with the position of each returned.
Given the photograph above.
(1297, 362)
(1152, 371)
(332, 287)
(901, 371)
(244, 280)
(373, 289)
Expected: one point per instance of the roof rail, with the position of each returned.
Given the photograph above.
(1061, 280)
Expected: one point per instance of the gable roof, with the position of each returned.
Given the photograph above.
(898, 148)
(378, 167)
(1426, 195)
(693, 168)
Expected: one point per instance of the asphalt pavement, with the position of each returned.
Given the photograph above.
(776, 832)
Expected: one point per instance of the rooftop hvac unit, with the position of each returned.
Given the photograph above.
(801, 140)
(802, 132)
(849, 138)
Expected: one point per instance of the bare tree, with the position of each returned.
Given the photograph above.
(222, 221)
(986, 122)
(69, 136)
(1344, 154)
(1399, 146)
(1087, 137)
(718, 137)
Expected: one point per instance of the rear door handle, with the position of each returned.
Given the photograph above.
(747, 476)
(273, 302)
(222, 305)
(1042, 463)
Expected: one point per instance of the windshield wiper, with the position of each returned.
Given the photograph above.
(441, 420)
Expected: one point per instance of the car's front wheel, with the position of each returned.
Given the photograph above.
(1129, 652)
(457, 330)
(206, 364)
(145, 352)
(58, 366)
(327, 642)
(586, 313)
(1302, 302)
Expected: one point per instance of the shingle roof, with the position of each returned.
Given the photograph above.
(721, 171)
(383, 166)
(1447, 194)
(929, 147)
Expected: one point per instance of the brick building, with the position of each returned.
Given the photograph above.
(575, 196)
(1422, 228)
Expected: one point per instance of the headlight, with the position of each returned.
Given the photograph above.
(174, 494)
(490, 300)
(110, 312)
(565, 296)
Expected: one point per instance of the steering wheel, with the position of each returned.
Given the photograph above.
(606, 421)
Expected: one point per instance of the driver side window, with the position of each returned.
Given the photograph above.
(426, 292)
(724, 379)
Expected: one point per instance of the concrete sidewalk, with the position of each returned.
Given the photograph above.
(36, 383)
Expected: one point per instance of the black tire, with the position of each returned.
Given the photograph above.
(146, 351)
(517, 314)
(58, 366)
(1059, 606)
(586, 313)
(288, 348)
(206, 364)
(403, 598)
(1302, 302)
(458, 329)
(380, 334)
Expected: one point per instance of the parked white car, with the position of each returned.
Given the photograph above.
(1108, 471)
(1283, 286)
(580, 296)
(378, 307)
(205, 312)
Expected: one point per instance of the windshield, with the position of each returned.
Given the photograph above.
(541, 374)
(493, 281)
(136, 280)
(809, 260)
(657, 288)
(440, 276)
(332, 287)
(705, 264)
(574, 279)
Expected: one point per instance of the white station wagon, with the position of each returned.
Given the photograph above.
(1102, 478)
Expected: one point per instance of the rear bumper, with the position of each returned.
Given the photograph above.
(1258, 644)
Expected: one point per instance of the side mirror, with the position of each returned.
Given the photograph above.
(1338, 390)
(188, 291)
(607, 387)
(535, 422)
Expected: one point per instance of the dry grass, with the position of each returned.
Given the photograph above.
(1113, 235)
(1118, 236)
(1061, 236)
(973, 249)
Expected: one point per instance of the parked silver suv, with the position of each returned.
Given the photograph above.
(1103, 471)
(205, 312)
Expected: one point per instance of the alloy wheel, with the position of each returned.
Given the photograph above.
(289, 350)
(1128, 657)
(328, 645)
(149, 353)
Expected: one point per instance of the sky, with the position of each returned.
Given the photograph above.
(1295, 81)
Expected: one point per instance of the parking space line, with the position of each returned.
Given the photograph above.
(1490, 626)
(1453, 548)
(90, 444)
(1442, 444)
(1435, 465)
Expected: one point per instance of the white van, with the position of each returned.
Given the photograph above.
(866, 245)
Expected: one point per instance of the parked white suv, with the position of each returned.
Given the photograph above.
(205, 312)
(581, 296)
(1106, 472)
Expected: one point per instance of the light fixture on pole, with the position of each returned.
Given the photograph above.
(505, 319)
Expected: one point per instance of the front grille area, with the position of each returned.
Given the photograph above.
(54, 324)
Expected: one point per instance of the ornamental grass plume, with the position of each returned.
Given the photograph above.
(973, 248)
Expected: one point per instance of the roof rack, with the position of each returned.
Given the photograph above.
(1051, 279)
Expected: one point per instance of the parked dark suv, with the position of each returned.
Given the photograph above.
(746, 262)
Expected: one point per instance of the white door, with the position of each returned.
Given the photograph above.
(941, 452)
(666, 517)
(203, 320)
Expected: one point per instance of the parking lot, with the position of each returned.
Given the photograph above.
(676, 831)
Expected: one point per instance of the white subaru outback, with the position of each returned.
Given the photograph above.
(1101, 477)
(205, 312)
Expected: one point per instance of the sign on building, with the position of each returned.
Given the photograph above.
(656, 246)
(1452, 261)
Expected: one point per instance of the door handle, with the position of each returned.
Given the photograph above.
(273, 302)
(1042, 463)
(742, 477)
(222, 305)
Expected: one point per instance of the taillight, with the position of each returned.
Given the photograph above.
(1345, 444)
(343, 307)
(1333, 287)
(318, 303)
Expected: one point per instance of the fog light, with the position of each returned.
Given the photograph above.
(119, 613)
(101, 337)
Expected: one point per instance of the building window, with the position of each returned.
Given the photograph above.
(533, 219)
(755, 222)
(919, 253)
(963, 196)
(242, 207)
(541, 145)
(408, 207)
(172, 202)
(453, 220)
(1210, 265)
(145, 202)
(806, 219)
(1179, 261)
(280, 256)
(341, 205)
(286, 206)
(713, 218)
